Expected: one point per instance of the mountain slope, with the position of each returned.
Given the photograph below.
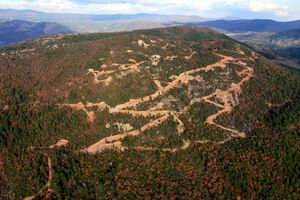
(257, 25)
(18, 30)
(283, 47)
(287, 44)
(292, 34)
(177, 112)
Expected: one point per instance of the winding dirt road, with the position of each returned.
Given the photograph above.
(48, 184)
(224, 100)
(115, 140)
(225, 96)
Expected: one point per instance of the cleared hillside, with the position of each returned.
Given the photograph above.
(167, 113)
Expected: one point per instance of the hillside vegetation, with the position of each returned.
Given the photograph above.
(282, 47)
(249, 25)
(18, 30)
(172, 113)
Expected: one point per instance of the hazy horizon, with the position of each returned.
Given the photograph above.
(287, 10)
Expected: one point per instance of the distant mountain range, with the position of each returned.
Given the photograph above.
(18, 30)
(256, 25)
(276, 40)
(84, 23)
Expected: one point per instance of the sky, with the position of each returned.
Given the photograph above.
(244, 9)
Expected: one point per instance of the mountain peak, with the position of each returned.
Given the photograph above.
(165, 113)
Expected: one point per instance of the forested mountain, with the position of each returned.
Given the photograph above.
(88, 23)
(19, 30)
(291, 34)
(170, 113)
(282, 47)
(255, 25)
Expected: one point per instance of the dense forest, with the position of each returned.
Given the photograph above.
(93, 88)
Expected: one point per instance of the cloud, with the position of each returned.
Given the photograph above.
(278, 10)
(113, 6)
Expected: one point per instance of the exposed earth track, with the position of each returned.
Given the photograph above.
(224, 100)
(227, 100)
(225, 96)
(47, 185)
